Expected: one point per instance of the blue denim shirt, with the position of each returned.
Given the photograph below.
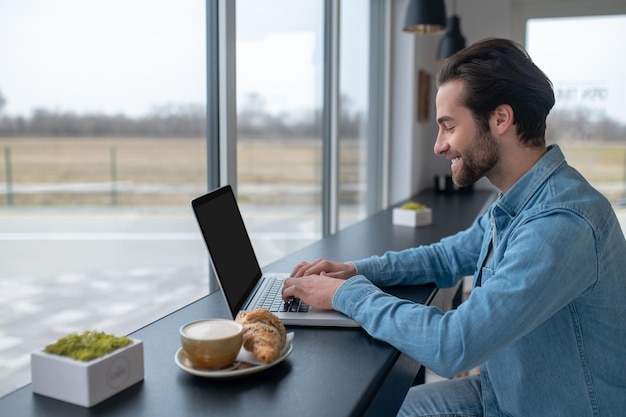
(546, 319)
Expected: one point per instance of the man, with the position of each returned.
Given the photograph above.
(546, 319)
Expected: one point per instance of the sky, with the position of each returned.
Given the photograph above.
(101, 55)
(129, 56)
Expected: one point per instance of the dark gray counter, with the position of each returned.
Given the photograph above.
(331, 372)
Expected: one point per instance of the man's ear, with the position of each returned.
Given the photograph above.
(502, 118)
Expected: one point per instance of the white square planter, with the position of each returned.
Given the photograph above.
(86, 383)
(412, 218)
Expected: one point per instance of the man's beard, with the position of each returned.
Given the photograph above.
(480, 156)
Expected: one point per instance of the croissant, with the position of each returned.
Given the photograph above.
(263, 334)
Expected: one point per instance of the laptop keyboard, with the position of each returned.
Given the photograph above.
(272, 300)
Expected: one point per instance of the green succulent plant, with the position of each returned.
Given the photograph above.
(411, 205)
(87, 346)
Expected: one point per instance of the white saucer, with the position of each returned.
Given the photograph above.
(237, 369)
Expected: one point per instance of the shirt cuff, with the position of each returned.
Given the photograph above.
(350, 292)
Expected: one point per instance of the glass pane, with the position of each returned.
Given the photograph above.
(102, 143)
(279, 96)
(354, 92)
(589, 118)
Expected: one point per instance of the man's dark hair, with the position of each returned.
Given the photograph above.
(499, 71)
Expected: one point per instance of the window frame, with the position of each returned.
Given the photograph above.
(221, 105)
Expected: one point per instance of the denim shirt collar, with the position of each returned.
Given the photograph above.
(513, 201)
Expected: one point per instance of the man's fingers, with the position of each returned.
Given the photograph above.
(306, 268)
(296, 270)
(289, 289)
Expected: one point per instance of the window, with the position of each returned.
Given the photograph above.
(102, 143)
(588, 121)
(355, 76)
(102, 135)
(284, 120)
(279, 126)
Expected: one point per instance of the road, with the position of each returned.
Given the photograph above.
(109, 269)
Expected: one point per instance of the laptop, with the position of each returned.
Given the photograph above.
(240, 278)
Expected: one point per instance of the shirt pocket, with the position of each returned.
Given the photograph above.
(486, 274)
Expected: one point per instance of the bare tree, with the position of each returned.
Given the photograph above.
(3, 102)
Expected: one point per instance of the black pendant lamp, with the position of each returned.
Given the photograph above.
(452, 41)
(425, 16)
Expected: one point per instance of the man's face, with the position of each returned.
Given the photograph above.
(473, 152)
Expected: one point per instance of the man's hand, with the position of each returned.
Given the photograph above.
(315, 290)
(329, 268)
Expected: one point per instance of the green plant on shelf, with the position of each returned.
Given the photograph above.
(411, 205)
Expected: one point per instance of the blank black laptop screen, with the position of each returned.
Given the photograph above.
(228, 243)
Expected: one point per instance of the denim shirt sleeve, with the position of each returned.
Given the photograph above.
(516, 297)
(442, 263)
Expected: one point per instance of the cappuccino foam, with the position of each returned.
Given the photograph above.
(208, 330)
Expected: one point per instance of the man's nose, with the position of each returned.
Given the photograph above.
(441, 146)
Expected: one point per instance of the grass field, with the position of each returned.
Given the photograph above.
(171, 171)
(150, 171)
(604, 165)
(599, 163)
(38, 163)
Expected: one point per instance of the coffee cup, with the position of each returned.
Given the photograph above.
(211, 343)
